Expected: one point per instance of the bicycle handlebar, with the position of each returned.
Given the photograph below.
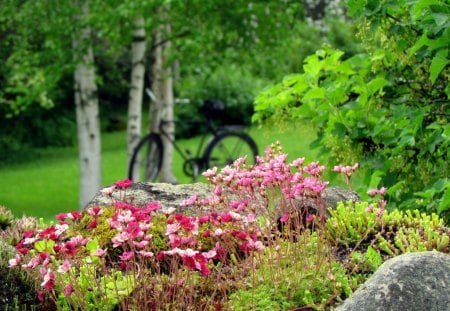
(153, 98)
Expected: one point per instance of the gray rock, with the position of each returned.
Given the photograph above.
(412, 282)
(139, 194)
(170, 196)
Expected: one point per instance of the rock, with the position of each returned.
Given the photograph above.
(139, 194)
(170, 196)
(412, 281)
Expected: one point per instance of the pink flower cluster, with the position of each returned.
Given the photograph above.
(133, 225)
(346, 170)
(272, 174)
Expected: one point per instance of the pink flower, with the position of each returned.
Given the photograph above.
(140, 244)
(372, 192)
(310, 218)
(75, 215)
(146, 254)
(251, 217)
(218, 232)
(64, 267)
(92, 224)
(172, 228)
(108, 190)
(68, 290)
(210, 172)
(100, 252)
(49, 279)
(369, 209)
(61, 216)
(95, 211)
(123, 184)
(298, 162)
(189, 201)
(127, 256)
(218, 190)
(210, 254)
(40, 295)
(152, 206)
(15, 261)
(285, 217)
(226, 217)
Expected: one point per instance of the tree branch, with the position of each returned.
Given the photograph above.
(176, 36)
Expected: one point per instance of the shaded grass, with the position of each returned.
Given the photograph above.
(48, 184)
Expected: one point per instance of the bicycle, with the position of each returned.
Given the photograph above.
(226, 144)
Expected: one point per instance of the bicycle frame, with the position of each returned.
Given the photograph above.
(182, 153)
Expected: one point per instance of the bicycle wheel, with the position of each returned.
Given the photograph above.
(226, 147)
(146, 161)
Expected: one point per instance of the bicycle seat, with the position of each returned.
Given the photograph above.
(212, 108)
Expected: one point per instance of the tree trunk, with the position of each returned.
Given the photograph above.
(87, 114)
(136, 89)
(162, 86)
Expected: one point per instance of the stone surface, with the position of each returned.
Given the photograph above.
(139, 194)
(169, 195)
(412, 282)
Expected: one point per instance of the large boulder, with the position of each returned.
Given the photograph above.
(412, 281)
(171, 196)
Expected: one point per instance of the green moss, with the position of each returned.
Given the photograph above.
(103, 232)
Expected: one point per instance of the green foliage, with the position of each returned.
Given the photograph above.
(101, 291)
(359, 226)
(17, 289)
(386, 108)
(293, 275)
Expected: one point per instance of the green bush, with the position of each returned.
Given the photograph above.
(386, 108)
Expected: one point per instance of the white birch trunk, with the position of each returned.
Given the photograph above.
(87, 114)
(162, 86)
(138, 48)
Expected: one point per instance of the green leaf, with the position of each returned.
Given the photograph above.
(373, 257)
(45, 246)
(375, 179)
(92, 245)
(355, 7)
(438, 64)
(445, 203)
(377, 84)
(314, 93)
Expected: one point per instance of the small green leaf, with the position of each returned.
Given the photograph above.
(92, 245)
(445, 203)
(438, 64)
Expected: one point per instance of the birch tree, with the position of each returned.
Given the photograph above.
(138, 49)
(162, 86)
(87, 113)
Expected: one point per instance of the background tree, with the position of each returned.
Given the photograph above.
(138, 49)
(87, 110)
(387, 108)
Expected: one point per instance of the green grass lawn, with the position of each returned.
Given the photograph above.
(48, 184)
